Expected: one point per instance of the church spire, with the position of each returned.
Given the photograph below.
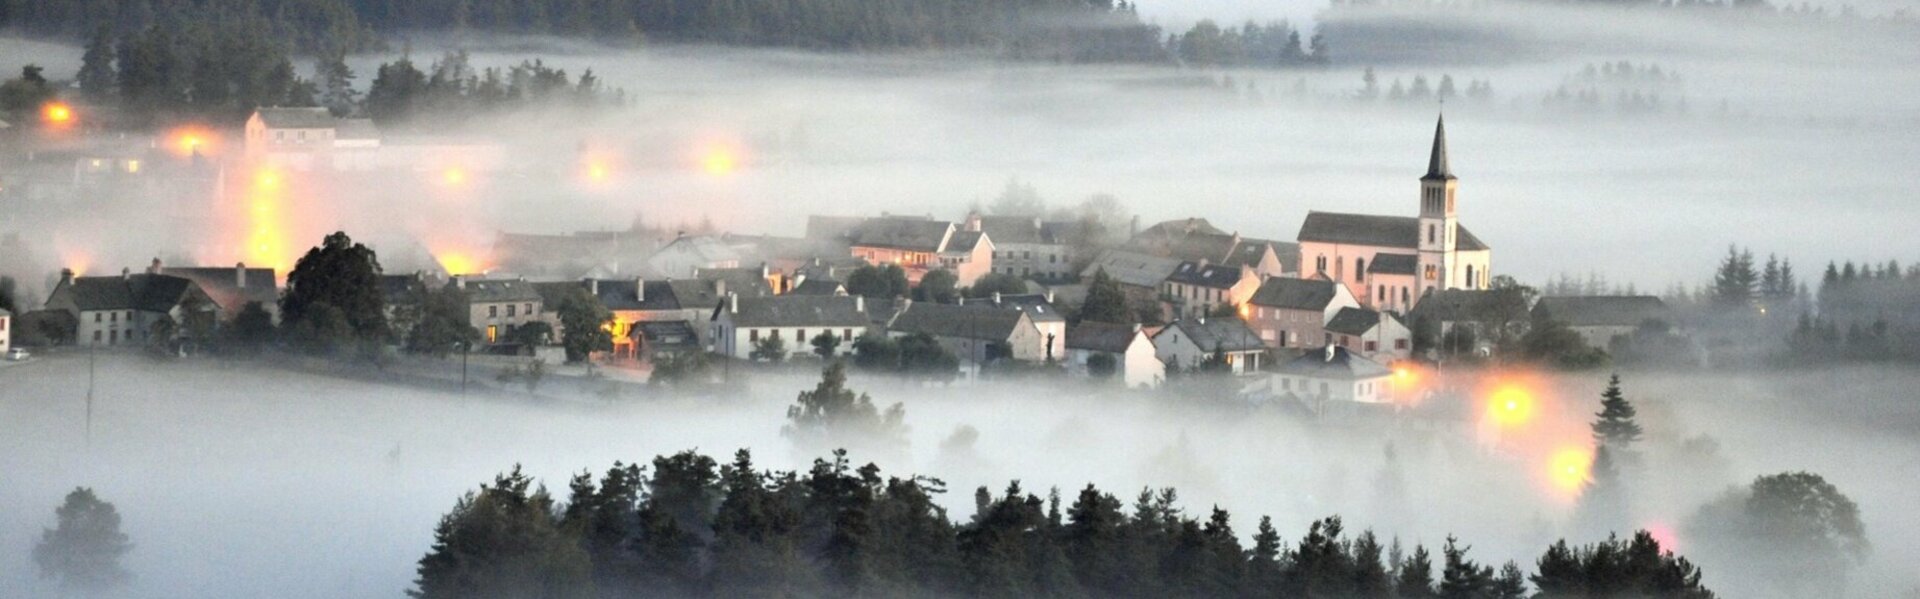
(1437, 164)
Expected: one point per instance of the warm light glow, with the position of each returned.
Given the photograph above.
(1664, 534)
(719, 161)
(1511, 406)
(453, 176)
(459, 263)
(1245, 312)
(598, 172)
(58, 113)
(266, 243)
(1570, 469)
(267, 180)
(190, 140)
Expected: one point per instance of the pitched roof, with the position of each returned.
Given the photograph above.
(144, 292)
(356, 129)
(1036, 305)
(662, 334)
(231, 288)
(1218, 334)
(1105, 337)
(401, 289)
(1334, 362)
(798, 311)
(1133, 268)
(1603, 310)
(1295, 294)
(1437, 167)
(745, 280)
(963, 241)
(833, 228)
(497, 290)
(818, 286)
(1179, 227)
(707, 248)
(624, 294)
(1211, 275)
(1355, 321)
(1375, 230)
(904, 233)
(1017, 229)
(1251, 251)
(1394, 264)
(297, 118)
(972, 321)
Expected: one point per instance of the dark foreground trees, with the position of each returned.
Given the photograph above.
(83, 551)
(689, 526)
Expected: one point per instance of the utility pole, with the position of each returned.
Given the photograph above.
(466, 347)
(92, 352)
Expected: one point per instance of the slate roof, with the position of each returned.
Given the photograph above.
(707, 248)
(1394, 264)
(624, 295)
(963, 242)
(356, 129)
(143, 292)
(1250, 251)
(1133, 268)
(297, 118)
(401, 290)
(225, 288)
(1602, 310)
(1355, 321)
(833, 228)
(1339, 365)
(818, 286)
(1017, 229)
(1105, 337)
(745, 280)
(1212, 275)
(904, 233)
(1179, 227)
(1218, 334)
(1295, 294)
(697, 294)
(972, 321)
(667, 334)
(1036, 305)
(1375, 230)
(1437, 167)
(498, 290)
(798, 311)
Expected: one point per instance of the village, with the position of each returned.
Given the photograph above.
(1358, 313)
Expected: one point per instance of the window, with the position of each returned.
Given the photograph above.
(1400, 344)
(1430, 235)
(1359, 269)
(1052, 258)
(493, 311)
(114, 317)
(96, 319)
(279, 137)
(1320, 264)
(846, 334)
(1469, 276)
(113, 337)
(799, 334)
(510, 310)
(1025, 255)
(493, 333)
(1373, 346)
(753, 334)
(529, 311)
(1432, 273)
(1329, 339)
(302, 136)
(1403, 296)
(96, 335)
(1286, 384)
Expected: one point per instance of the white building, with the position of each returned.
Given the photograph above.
(6, 331)
(124, 309)
(740, 323)
(1188, 344)
(1126, 345)
(1375, 335)
(1332, 374)
(1389, 262)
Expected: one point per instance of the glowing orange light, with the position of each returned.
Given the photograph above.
(453, 176)
(1245, 312)
(459, 263)
(719, 161)
(267, 180)
(1570, 469)
(597, 172)
(57, 113)
(1664, 535)
(1510, 406)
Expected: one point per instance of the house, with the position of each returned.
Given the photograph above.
(1197, 289)
(1375, 335)
(1332, 374)
(1441, 252)
(746, 280)
(1600, 318)
(819, 286)
(130, 308)
(6, 331)
(1039, 308)
(978, 334)
(1293, 313)
(1442, 311)
(739, 323)
(230, 288)
(577, 255)
(495, 307)
(1196, 240)
(920, 245)
(1126, 346)
(401, 295)
(1025, 247)
(1139, 276)
(662, 338)
(1187, 344)
(292, 138)
(686, 255)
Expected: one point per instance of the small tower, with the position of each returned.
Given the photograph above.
(1439, 221)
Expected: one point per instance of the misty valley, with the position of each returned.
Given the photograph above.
(968, 298)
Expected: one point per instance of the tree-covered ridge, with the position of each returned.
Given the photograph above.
(1076, 31)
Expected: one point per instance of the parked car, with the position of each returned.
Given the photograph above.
(17, 354)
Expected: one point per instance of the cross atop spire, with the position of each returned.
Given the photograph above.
(1437, 164)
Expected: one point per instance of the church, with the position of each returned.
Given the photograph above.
(1390, 262)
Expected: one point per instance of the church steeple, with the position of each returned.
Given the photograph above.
(1437, 167)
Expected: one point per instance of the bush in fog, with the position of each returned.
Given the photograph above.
(1794, 530)
(85, 548)
(691, 527)
(833, 415)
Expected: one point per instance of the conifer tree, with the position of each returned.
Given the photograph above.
(96, 77)
(1105, 301)
(1416, 575)
(1614, 425)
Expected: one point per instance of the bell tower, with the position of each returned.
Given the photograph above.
(1439, 222)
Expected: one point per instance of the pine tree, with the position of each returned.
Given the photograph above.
(1614, 425)
(336, 84)
(96, 77)
(1105, 301)
(1416, 575)
(1462, 578)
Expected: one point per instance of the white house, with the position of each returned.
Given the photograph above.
(1126, 345)
(123, 310)
(1041, 310)
(231, 288)
(685, 256)
(6, 331)
(976, 333)
(1187, 344)
(1375, 335)
(1196, 289)
(496, 306)
(1389, 262)
(1332, 374)
(739, 323)
(291, 138)
(1025, 247)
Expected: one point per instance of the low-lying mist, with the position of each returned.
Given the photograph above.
(237, 480)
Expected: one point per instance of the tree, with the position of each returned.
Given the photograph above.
(583, 322)
(833, 413)
(1018, 199)
(769, 349)
(1462, 578)
(884, 281)
(503, 541)
(937, 286)
(9, 295)
(1416, 575)
(997, 282)
(336, 84)
(1734, 282)
(1102, 366)
(826, 344)
(344, 276)
(443, 325)
(96, 76)
(1551, 342)
(396, 87)
(1105, 301)
(84, 549)
(1794, 530)
(1614, 426)
(1602, 505)
(922, 357)
(681, 369)
(876, 352)
(25, 95)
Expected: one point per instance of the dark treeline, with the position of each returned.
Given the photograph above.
(1853, 312)
(1077, 31)
(451, 90)
(1865, 313)
(689, 526)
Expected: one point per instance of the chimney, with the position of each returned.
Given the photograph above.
(860, 303)
(973, 220)
(66, 276)
(460, 281)
(720, 287)
(126, 274)
(733, 303)
(1329, 350)
(639, 289)
(153, 268)
(240, 275)
(593, 286)
(1136, 326)
(1049, 295)
(763, 270)
(996, 298)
